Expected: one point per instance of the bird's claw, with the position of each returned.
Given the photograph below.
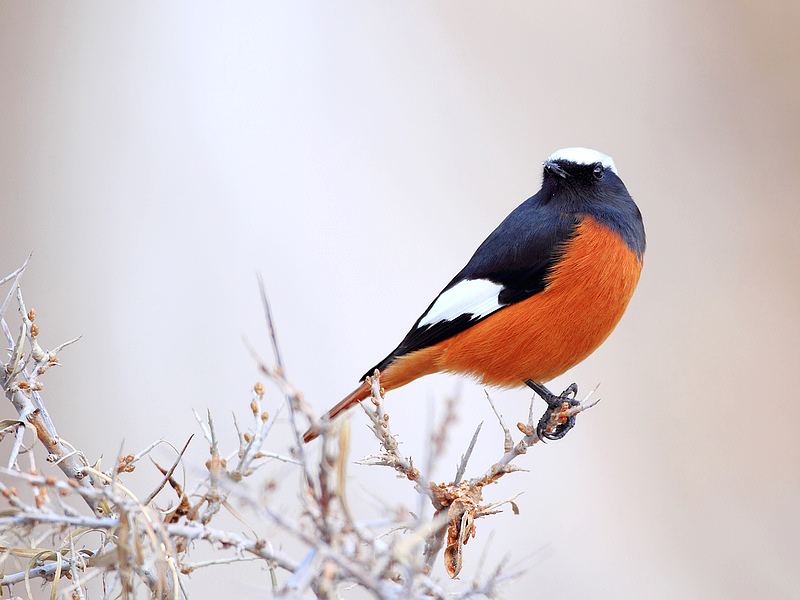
(556, 422)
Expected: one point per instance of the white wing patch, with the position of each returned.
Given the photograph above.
(476, 297)
(584, 156)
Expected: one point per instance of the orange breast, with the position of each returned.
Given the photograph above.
(552, 331)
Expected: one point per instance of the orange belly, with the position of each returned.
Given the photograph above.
(552, 331)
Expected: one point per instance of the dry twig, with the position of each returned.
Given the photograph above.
(129, 546)
(458, 503)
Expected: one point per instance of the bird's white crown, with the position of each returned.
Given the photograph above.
(584, 156)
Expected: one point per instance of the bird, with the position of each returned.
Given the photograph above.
(538, 296)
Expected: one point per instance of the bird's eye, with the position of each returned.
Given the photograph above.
(598, 171)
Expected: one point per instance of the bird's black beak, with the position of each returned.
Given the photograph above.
(553, 168)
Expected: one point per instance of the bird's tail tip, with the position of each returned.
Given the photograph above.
(312, 433)
(362, 392)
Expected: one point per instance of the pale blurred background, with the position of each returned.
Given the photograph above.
(155, 156)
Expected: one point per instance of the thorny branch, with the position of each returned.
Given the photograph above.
(456, 504)
(391, 456)
(126, 545)
(22, 385)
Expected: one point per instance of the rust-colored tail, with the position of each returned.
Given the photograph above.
(400, 371)
(362, 392)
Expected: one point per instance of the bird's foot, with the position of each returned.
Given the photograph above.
(558, 419)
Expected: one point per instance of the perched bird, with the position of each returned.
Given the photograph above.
(540, 294)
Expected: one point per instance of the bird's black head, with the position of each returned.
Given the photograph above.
(579, 169)
(584, 181)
